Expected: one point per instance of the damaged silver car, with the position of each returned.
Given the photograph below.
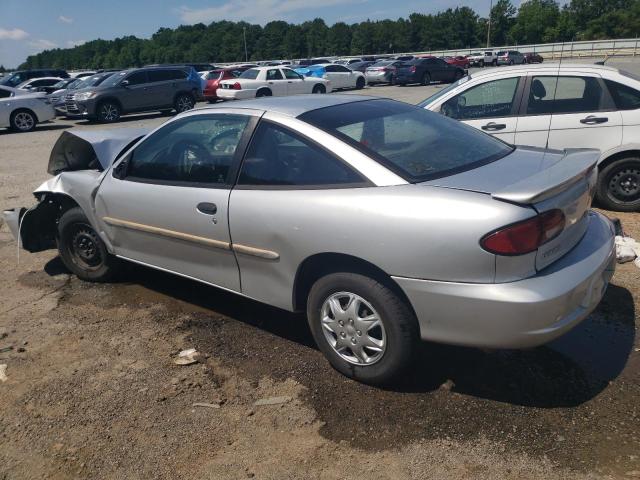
(386, 223)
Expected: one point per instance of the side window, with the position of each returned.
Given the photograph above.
(274, 74)
(279, 157)
(290, 74)
(490, 99)
(137, 78)
(625, 98)
(177, 74)
(440, 62)
(198, 149)
(331, 69)
(549, 95)
(161, 75)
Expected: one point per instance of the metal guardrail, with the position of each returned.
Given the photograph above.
(590, 48)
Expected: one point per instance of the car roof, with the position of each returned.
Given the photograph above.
(294, 105)
(548, 67)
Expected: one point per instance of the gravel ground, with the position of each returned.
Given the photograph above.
(92, 392)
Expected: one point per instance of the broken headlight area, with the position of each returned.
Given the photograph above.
(36, 227)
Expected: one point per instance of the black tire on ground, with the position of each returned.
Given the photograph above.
(263, 92)
(183, 102)
(108, 112)
(400, 326)
(510, 62)
(319, 88)
(426, 79)
(82, 250)
(22, 120)
(481, 63)
(360, 83)
(494, 63)
(618, 185)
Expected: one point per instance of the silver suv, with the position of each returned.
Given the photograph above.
(135, 90)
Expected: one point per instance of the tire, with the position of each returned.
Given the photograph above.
(183, 102)
(108, 112)
(618, 186)
(265, 92)
(82, 250)
(510, 62)
(319, 89)
(425, 80)
(458, 76)
(396, 338)
(360, 83)
(23, 121)
(494, 63)
(481, 63)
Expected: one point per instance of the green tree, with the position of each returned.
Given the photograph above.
(502, 19)
(534, 18)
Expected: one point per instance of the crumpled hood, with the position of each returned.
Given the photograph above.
(78, 149)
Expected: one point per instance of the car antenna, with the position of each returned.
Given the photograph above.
(553, 100)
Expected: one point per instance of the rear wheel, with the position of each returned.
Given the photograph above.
(183, 102)
(82, 250)
(319, 89)
(265, 92)
(619, 185)
(481, 63)
(426, 79)
(108, 112)
(22, 121)
(366, 331)
(360, 83)
(510, 62)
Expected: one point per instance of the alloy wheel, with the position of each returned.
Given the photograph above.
(109, 112)
(353, 328)
(24, 121)
(184, 103)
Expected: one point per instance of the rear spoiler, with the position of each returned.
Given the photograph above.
(576, 164)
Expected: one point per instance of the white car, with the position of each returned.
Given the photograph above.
(270, 81)
(340, 76)
(35, 83)
(21, 110)
(559, 107)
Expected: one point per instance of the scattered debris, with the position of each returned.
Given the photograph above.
(206, 405)
(272, 401)
(3, 373)
(187, 357)
(627, 250)
(448, 385)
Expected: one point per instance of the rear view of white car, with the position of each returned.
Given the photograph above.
(270, 81)
(559, 107)
(21, 111)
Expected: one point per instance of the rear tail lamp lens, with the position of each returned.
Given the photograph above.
(237, 86)
(413, 69)
(525, 237)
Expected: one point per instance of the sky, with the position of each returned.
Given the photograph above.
(30, 26)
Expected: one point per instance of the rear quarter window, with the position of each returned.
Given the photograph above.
(625, 98)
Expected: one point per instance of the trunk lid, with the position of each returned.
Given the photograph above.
(543, 180)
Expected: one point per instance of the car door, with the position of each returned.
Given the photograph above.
(276, 82)
(165, 204)
(491, 106)
(295, 82)
(134, 94)
(584, 115)
(442, 71)
(283, 178)
(162, 87)
(5, 107)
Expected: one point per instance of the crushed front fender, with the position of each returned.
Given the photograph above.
(35, 228)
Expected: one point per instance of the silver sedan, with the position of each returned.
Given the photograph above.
(21, 110)
(386, 223)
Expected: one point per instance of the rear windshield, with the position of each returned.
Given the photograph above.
(215, 75)
(251, 74)
(416, 144)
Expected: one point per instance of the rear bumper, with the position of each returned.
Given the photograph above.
(518, 314)
(230, 94)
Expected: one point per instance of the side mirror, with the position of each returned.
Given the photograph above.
(120, 170)
(124, 83)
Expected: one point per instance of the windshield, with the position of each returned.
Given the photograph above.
(114, 79)
(251, 74)
(444, 91)
(416, 144)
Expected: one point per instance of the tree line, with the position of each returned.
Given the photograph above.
(536, 21)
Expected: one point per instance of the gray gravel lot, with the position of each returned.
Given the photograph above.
(92, 391)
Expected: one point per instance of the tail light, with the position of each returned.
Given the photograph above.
(413, 69)
(237, 86)
(526, 236)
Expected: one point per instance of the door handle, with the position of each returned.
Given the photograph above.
(270, 83)
(289, 81)
(207, 208)
(593, 120)
(492, 126)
